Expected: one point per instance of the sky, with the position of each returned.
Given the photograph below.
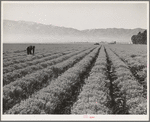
(79, 15)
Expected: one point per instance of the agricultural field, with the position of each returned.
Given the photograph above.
(75, 79)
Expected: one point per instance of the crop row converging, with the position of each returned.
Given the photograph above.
(51, 97)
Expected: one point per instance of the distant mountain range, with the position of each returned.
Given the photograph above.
(23, 31)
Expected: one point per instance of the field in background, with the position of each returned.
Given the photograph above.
(75, 79)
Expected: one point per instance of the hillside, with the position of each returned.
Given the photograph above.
(23, 31)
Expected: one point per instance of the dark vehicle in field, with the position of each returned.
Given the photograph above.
(112, 42)
(96, 44)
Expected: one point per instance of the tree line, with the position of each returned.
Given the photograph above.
(140, 38)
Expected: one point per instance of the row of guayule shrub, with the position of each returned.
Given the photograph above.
(21, 89)
(136, 63)
(128, 93)
(94, 97)
(21, 53)
(9, 60)
(138, 55)
(33, 62)
(42, 51)
(50, 97)
(12, 76)
(131, 49)
(138, 68)
(13, 56)
(25, 59)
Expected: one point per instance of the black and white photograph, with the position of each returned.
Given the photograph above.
(75, 60)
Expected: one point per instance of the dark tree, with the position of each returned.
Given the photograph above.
(140, 38)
